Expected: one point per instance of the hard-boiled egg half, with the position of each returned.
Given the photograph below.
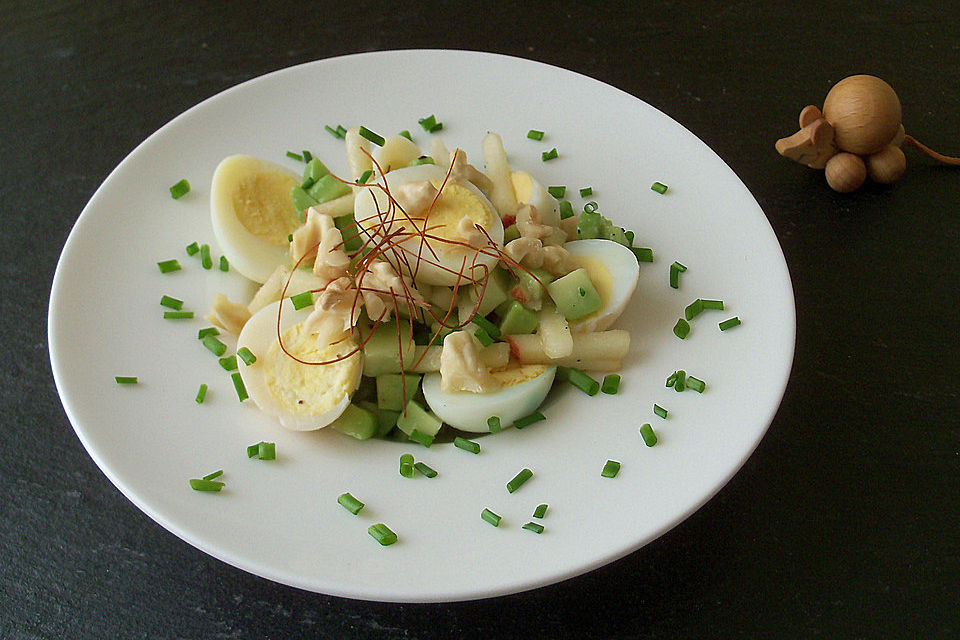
(252, 213)
(438, 260)
(523, 389)
(529, 191)
(614, 271)
(301, 396)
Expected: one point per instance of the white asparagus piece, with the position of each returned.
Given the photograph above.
(502, 194)
(357, 160)
(554, 332)
(495, 356)
(603, 347)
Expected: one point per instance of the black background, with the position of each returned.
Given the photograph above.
(844, 523)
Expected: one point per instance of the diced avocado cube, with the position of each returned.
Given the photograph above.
(327, 188)
(528, 289)
(518, 319)
(313, 172)
(381, 353)
(390, 390)
(301, 200)
(618, 235)
(590, 225)
(575, 295)
(356, 422)
(416, 417)
(510, 233)
(495, 293)
(387, 420)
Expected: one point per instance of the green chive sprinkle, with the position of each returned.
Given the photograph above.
(540, 511)
(229, 363)
(610, 469)
(169, 265)
(246, 355)
(365, 176)
(213, 476)
(566, 210)
(424, 469)
(199, 484)
(483, 337)
(493, 422)
(682, 328)
(557, 192)
(262, 450)
(611, 384)
(350, 503)
(224, 265)
(253, 450)
(205, 258)
(177, 315)
(375, 138)
(675, 270)
(629, 235)
(729, 324)
(680, 383)
(696, 384)
(590, 207)
(713, 304)
(436, 127)
(208, 331)
(428, 123)
(330, 130)
(382, 534)
(649, 437)
(533, 134)
(643, 254)
(518, 480)
(693, 309)
(126, 379)
(302, 300)
(180, 189)
(660, 411)
(491, 517)
(672, 379)
(466, 445)
(405, 134)
(297, 156)
(419, 436)
(492, 330)
(171, 303)
(239, 386)
(549, 155)
(214, 345)
(193, 249)
(533, 526)
(406, 465)
(422, 160)
(201, 393)
(586, 191)
(526, 421)
(341, 131)
(582, 381)
(659, 187)
(307, 156)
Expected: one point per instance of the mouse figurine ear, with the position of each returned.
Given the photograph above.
(814, 144)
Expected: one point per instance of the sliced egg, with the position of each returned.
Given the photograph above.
(523, 390)
(529, 191)
(252, 214)
(301, 396)
(614, 270)
(436, 261)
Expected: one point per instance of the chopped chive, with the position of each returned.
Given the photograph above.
(406, 465)
(246, 355)
(428, 122)
(696, 384)
(423, 468)
(659, 187)
(466, 445)
(610, 469)
(629, 235)
(350, 503)
(557, 192)
(177, 315)
(382, 534)
(483, 337)
(268, 450)
(296, 156)
(526, 421)
(422, 160)
(648, 435)
(253, 450)
(549, 155)
(405, 134)
(341, 131)
(643, 254)
(582, 381)
(712, 304)
(171, 303)
(419, 436)
(493, 422)
(212, 343)
(207, 331)
(199, 484)
(681, 382)
(491, 517)
(201, 393)
(307, 156)
(375, 138)
(436, 127)
(693, 309)
(611, 384)
(365, 176)
(492, 330)
(672, 379)
(224, 265)
(518, 480)
(193, 249)
(730, 323)
(660, 411)
(239, 386)
(229, 363)
(302, 300)
(212, 476)
(540, 511)
(126, 379)
(682, 328)
(586, 191)
(590, 207)
(180, 189)
(533, 526)
(331, 131)
(566, 210)
(675, 270)
(167, 266)
(533, 134)
(205, 258)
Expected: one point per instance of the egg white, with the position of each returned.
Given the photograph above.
(614, 270)
(529, 191)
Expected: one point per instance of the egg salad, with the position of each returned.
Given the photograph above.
(416, 290)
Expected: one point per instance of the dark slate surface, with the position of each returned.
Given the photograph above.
(844, 523)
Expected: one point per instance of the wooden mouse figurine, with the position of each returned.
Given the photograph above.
(858, 133)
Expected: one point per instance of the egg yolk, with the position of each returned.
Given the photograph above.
(514, 375)
(455, 202)
(261, 202)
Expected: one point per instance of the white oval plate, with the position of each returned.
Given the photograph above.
(280, 519)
